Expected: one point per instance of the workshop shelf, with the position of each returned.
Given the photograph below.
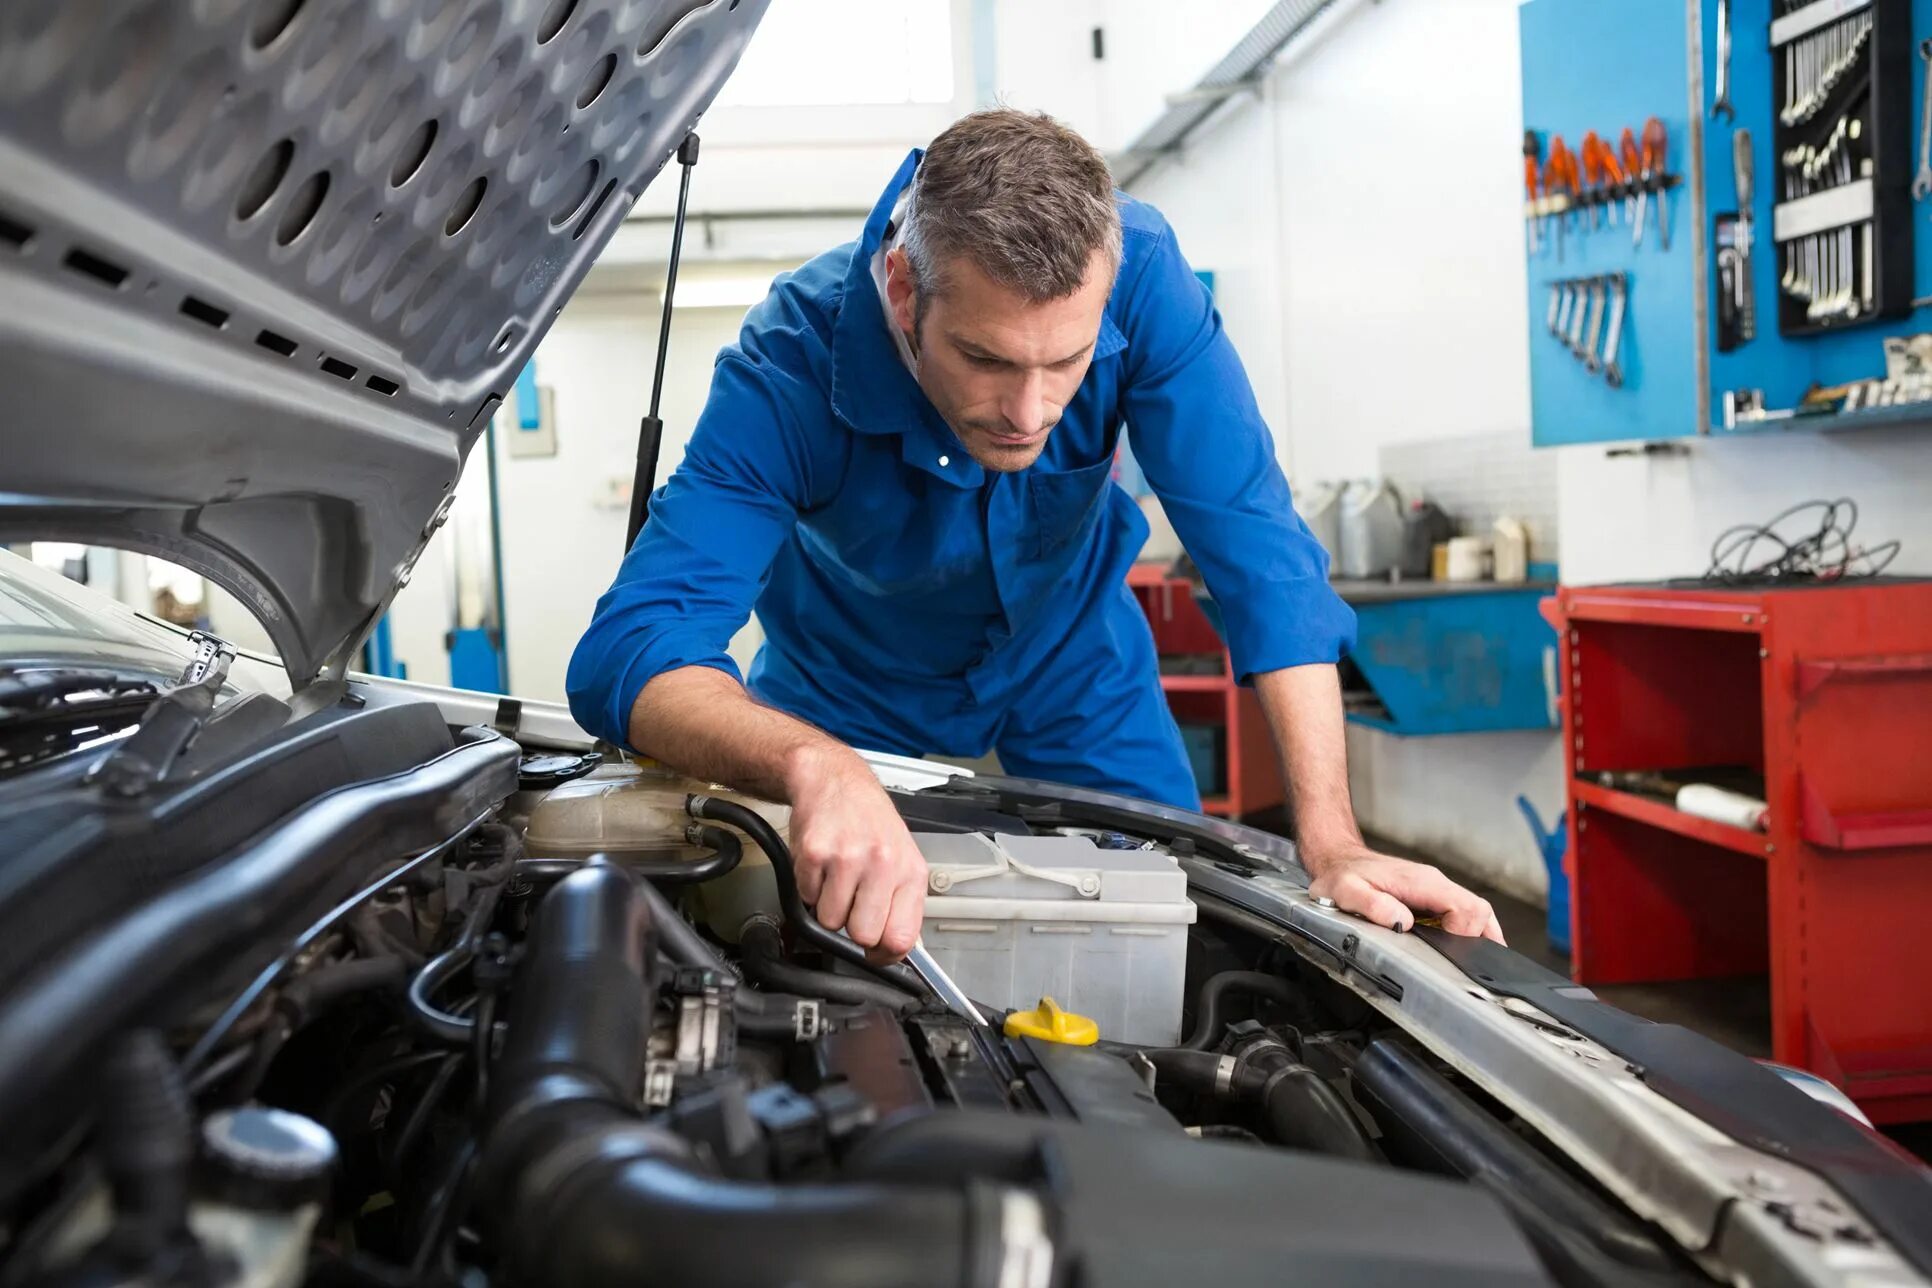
(1202, 691)
(1668, 817)
(1825, 692)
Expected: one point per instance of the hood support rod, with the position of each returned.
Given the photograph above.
(650, 430)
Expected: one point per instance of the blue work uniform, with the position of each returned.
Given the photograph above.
(915, 603)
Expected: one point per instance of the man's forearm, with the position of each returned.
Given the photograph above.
(701, 722)
(1303, 705)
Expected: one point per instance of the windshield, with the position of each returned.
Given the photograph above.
(82, 667)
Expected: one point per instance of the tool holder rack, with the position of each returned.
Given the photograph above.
(1592, 65)
(1840, 166)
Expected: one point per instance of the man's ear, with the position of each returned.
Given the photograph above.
(901, 295)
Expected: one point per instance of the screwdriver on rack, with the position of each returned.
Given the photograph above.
(1532, 162)
(1592, 159)
(1559, 186)
(1617, 185)
(1656, 155)
(1633, 164)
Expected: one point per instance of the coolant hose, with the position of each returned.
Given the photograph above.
(754, 825)
(1303, 1110)
(1210, 1016)
(765, 965)
(579, 1191)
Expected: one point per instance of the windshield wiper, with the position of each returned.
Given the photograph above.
(31, 692)
(171, 723)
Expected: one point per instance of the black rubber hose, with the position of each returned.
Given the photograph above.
(146, 1144)
(1303, 1110)
(753, 824)
(669, 868)
(576, 1190)
(678, 938)
(1210, 1017)
(1427, 1122)
(762, 1014)
(765, 964)
(431, 1019)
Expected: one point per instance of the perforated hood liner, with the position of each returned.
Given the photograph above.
(270, 265)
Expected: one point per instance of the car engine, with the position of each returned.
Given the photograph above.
(597, 1039)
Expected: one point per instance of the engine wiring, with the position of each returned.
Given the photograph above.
(1776, 551)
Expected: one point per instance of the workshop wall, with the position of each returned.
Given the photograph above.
(1369, 269)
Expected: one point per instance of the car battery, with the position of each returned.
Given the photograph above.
(1103, 932)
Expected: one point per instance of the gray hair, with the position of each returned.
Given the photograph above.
(1024, 199)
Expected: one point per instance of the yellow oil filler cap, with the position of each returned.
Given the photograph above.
(1051, 1024)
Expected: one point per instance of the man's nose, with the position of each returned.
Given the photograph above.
(1025, 405)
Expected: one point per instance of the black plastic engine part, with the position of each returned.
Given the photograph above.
(542, 770)
(870, 1054)
(577, 1190)
(1139, 1207)
(1088, 1085)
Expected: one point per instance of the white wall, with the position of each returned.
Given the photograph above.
(1363, 227)
(1644, 518)
(561, 540)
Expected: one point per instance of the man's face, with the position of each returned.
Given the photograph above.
(999, 368)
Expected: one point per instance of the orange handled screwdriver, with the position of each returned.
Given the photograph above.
(1656, 155)
(1532, 157)
(1633, 162)
(1592, 158)
(1616, 185)
(1560, 186)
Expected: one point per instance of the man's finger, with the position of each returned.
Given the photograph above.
(870, 907)
(1353, 894)
(834, 903)
(902, 925)
(809, 874)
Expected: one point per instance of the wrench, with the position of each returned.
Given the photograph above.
(1922, 186)
(1612, 369)
(1591, 362)
(1721, 105)
(1578, 315)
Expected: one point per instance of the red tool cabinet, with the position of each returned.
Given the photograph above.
(1251, 780)
(1827, 691)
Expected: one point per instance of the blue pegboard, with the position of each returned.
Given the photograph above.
(1591, 65)
(1588, 64)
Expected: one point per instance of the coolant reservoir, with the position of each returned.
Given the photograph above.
(630, 809)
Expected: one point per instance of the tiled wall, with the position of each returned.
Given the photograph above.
(1480, 478)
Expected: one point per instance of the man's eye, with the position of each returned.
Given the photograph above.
(985, 363)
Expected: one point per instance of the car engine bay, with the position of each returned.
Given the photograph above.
(557, 1052)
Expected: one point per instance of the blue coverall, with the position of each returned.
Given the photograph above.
(913, 602)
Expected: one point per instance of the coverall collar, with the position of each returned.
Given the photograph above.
(871, 389)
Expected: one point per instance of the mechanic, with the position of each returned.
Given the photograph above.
(905, 466)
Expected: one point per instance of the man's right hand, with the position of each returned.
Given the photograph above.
(855, 861)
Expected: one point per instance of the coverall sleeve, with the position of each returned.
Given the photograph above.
(690, 580)
(1200, 439)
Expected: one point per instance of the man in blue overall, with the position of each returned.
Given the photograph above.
(904, 466)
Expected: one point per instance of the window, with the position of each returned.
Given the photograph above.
(839, 53)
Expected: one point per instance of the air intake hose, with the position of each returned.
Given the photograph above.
(580, 1191)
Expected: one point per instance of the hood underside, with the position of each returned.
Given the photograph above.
(270, 267)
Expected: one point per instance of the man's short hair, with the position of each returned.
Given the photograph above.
(1017, 194)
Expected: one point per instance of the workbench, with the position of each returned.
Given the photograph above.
(1824, 691)
(1441, 657)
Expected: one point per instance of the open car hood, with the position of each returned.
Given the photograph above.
(271, 267)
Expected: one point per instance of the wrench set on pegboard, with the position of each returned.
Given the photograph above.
(1587, 316)
(1842, 148)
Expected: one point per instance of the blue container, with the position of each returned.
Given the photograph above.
(1552, 845)
(1206, 750)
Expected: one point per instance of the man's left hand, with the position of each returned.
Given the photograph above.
(1392, 892)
